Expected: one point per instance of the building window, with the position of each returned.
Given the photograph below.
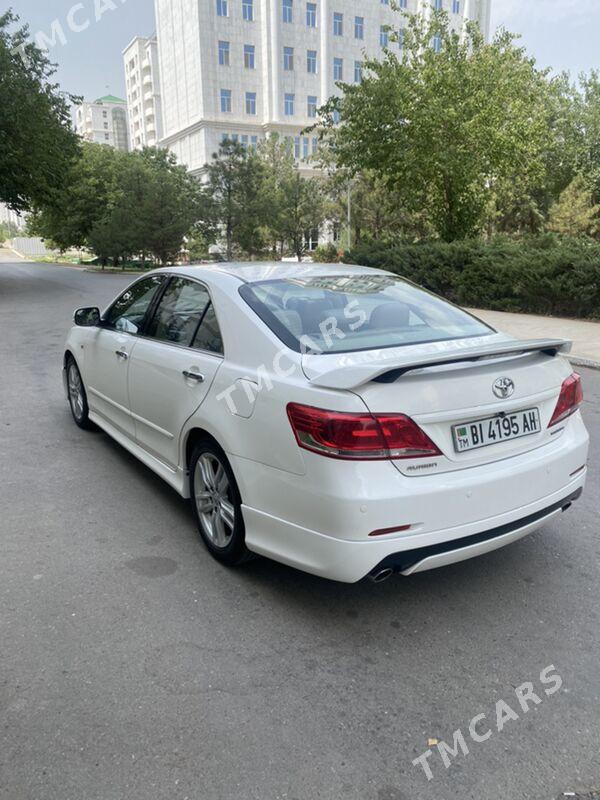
(249, 56)
(311, 61)
(357, 72)
(315, 144)
(254, 142)
(359, 27)
(438, 5)
(226, 100)
(250, 102)
(224, 54)
(288, 106)
(288, 58)
(335, 116)
(456, 6)
(311, 15)
(305, 147)
(297, 147)
(105, 113)
(436, 43)
(401, 33)
(338, 24)
(248, 10)
(338, 69)
(222, 8)
(288, 10)
(311, 106)
(383, 36)
(385, 2)
(403, 3)
(107, 136)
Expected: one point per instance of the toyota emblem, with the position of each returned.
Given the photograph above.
(503, 388)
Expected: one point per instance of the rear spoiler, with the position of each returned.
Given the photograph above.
(349, 376)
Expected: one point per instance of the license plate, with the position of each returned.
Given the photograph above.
(492, 430)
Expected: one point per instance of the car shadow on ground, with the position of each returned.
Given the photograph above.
(521, 569)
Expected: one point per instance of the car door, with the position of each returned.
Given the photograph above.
(109, 351)
(173, 366)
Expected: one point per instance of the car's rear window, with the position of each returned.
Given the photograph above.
(345, 313)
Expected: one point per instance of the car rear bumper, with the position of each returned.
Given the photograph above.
(424, 558)
(349, 561)
(325, 530)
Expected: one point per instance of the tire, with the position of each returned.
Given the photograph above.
(77, 397)
(217, 504)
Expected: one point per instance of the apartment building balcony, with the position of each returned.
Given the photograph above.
(147, 79)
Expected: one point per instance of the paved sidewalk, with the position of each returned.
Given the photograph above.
(585, 335)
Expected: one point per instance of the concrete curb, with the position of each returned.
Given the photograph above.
(583, 362)
(112, 271)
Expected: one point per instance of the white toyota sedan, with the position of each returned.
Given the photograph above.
(335, 418)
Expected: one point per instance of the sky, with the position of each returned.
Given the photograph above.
(561, 34)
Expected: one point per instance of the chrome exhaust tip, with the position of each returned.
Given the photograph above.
(381, 575)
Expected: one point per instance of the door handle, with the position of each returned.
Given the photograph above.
(194, 376)
(122, 354)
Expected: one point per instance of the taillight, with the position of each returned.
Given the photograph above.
(569, 400)
(359, 436)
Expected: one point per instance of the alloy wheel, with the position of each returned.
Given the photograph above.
(75, 386)
(212, 495)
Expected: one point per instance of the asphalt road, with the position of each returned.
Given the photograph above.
(132, 665)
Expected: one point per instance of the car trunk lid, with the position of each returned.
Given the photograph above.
(445, 386)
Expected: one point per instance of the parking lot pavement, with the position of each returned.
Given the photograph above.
(134, 666)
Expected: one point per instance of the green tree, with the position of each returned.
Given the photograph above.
(169, 203)
(277, 157)
(92, 189)
(588, 115)
(303, 212)
(37, 144)
(376, 212)
(522, 200)
(442, 126)
(122, 204)
(575, 213)
(8, 230)
(232, 198)
(291, 205)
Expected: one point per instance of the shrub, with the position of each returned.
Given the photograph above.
(541, 275)
(326, 254)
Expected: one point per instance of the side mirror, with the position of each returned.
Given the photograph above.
(87, 317)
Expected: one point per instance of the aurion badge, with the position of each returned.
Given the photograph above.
(503, 388)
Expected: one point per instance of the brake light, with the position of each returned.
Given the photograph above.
(569, 400)
(359, 436)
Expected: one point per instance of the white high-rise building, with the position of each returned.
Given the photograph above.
(244, 68)
(142, 79)
(103, 122)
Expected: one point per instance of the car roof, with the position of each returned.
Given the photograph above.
(272, 270)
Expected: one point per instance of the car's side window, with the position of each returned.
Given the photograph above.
(128, 311)
(209, 334)
(179, 312)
